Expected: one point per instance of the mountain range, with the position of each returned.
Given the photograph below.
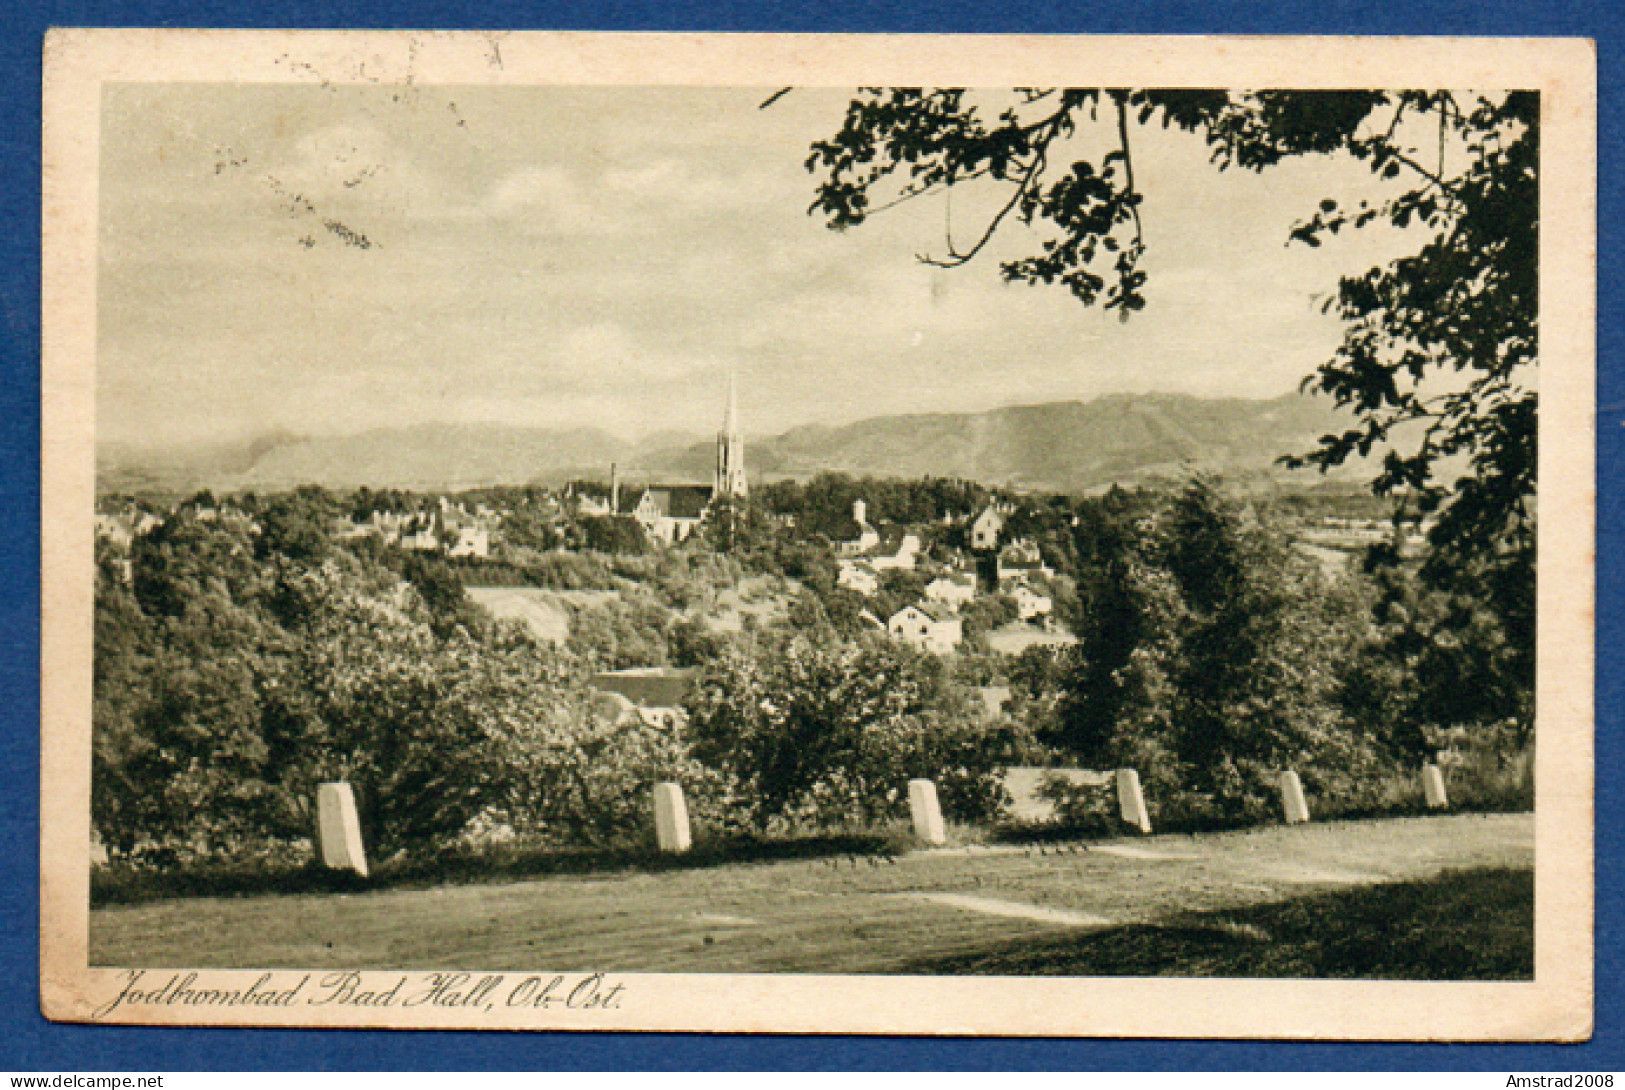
(1059, 446)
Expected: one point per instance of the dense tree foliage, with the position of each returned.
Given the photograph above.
(825, 731)
(614, 534)
(229, 684)
(823, 505)
(1213, 657)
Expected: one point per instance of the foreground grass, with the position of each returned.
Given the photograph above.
(1422, 897)
(1465, 925)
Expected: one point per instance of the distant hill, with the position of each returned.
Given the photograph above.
(181, 467)
(426, 456)
(1062, 446)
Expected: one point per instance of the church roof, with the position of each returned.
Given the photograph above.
(678, 501)
(687, 501)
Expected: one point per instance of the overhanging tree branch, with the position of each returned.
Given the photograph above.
(956, 258)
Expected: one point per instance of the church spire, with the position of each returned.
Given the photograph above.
(730, 415)
(730, 477)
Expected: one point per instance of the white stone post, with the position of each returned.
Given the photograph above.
(922, 804)
(1292, 800)
(339, 828)
(671, 818)
(1130, 801)
(1433, 787)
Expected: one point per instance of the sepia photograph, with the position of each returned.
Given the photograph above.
(550, 531)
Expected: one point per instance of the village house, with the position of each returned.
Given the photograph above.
(471, 541)
(383, 525)
(114, 529)
(420, 535)
(928, 626)
(895, 551)
(448, 528)
(954, 590)
(857, 537)
(386, 525)
(127, 520)
(858, 575)
(985, 530)
(1032, 604)
(1021, 560)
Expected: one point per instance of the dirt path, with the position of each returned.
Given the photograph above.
(830, 916)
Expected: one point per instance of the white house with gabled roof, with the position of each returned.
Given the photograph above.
(929, 626)
(856, 537)
(897, 550)
(858, 575)
(985, 530)
(954, 590)
(1021, 560)
(1032, 603)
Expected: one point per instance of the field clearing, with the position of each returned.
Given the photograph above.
(1013, 639)
(1173, 904)
(755, 596)
(1333, 562)
(545, 612)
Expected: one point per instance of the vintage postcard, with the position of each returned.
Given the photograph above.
(819, 534)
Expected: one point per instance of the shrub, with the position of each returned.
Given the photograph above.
(1081, 809)
(571, 571)
(818, 731)
(580, 779)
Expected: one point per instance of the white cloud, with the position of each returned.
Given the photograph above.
(604, 354)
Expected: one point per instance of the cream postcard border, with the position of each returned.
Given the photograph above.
(1557, 1005)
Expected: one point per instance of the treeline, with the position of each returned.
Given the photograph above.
(823, 505)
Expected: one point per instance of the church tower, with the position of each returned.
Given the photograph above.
(730, 479)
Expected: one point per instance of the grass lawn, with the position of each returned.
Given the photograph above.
(1460, 925)
(1425, 898)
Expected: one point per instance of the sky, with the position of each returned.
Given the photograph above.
(565, 257)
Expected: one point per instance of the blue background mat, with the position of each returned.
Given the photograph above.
(29, 1043)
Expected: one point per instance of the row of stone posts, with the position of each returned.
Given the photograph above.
(341, 847)
(671, 815)
(1296, 807)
